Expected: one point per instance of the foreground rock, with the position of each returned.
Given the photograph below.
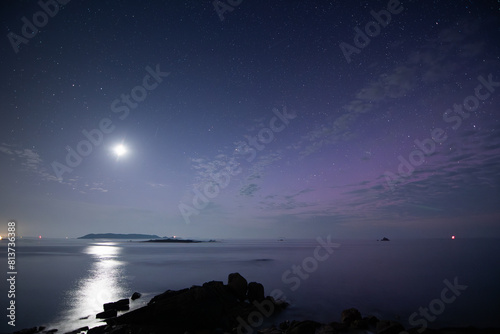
(237, 307)
(351, 322)
(349, 316)
(210, 307)
(121, 305)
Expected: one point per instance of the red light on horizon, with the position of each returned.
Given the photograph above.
(39, 237)
(453, 237)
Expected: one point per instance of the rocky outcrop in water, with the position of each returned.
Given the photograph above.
(136, 295)
(212, 306)
(237, 307)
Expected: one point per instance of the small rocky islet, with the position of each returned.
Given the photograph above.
(237, 307)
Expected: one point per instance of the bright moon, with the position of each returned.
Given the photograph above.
(120, 150)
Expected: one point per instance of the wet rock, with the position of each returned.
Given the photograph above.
(360, 324)
(213, 306)
(255, 292)
(271, 330)
(389, 327)
(135, 295)
(350, 315)
(338, 327)
(216, 308)
(279, 304)
(238, 285)
(121, 305)
(98, 330)
(108, 306)
(372, 320)
(284, 325)
(27, 331)
(124, 301)
(79, 330)
(303, 327)
(166, 295)
(121, 329)
(325, 329)
(106, 314)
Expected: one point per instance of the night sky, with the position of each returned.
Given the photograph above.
(269, 119)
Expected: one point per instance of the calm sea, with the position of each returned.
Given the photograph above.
(65, 282)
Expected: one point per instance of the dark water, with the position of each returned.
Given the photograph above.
(61, 281)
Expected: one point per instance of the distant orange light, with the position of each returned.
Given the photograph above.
(453, 237)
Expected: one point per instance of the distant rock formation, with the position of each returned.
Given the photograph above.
(119, 236)
(384, 239)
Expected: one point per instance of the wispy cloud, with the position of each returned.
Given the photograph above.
(286, 202)
(444, 186)
(95, 186)
(249, 189)
(30, 161)
(157, 185)
(99, 190)
(206, 168)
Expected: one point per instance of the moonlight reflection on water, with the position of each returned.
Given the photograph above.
(103, 283)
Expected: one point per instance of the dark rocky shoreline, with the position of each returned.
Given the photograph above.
(237, 307)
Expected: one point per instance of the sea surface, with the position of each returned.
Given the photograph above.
(62, 283)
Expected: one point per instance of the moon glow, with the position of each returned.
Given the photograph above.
(120, 150)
